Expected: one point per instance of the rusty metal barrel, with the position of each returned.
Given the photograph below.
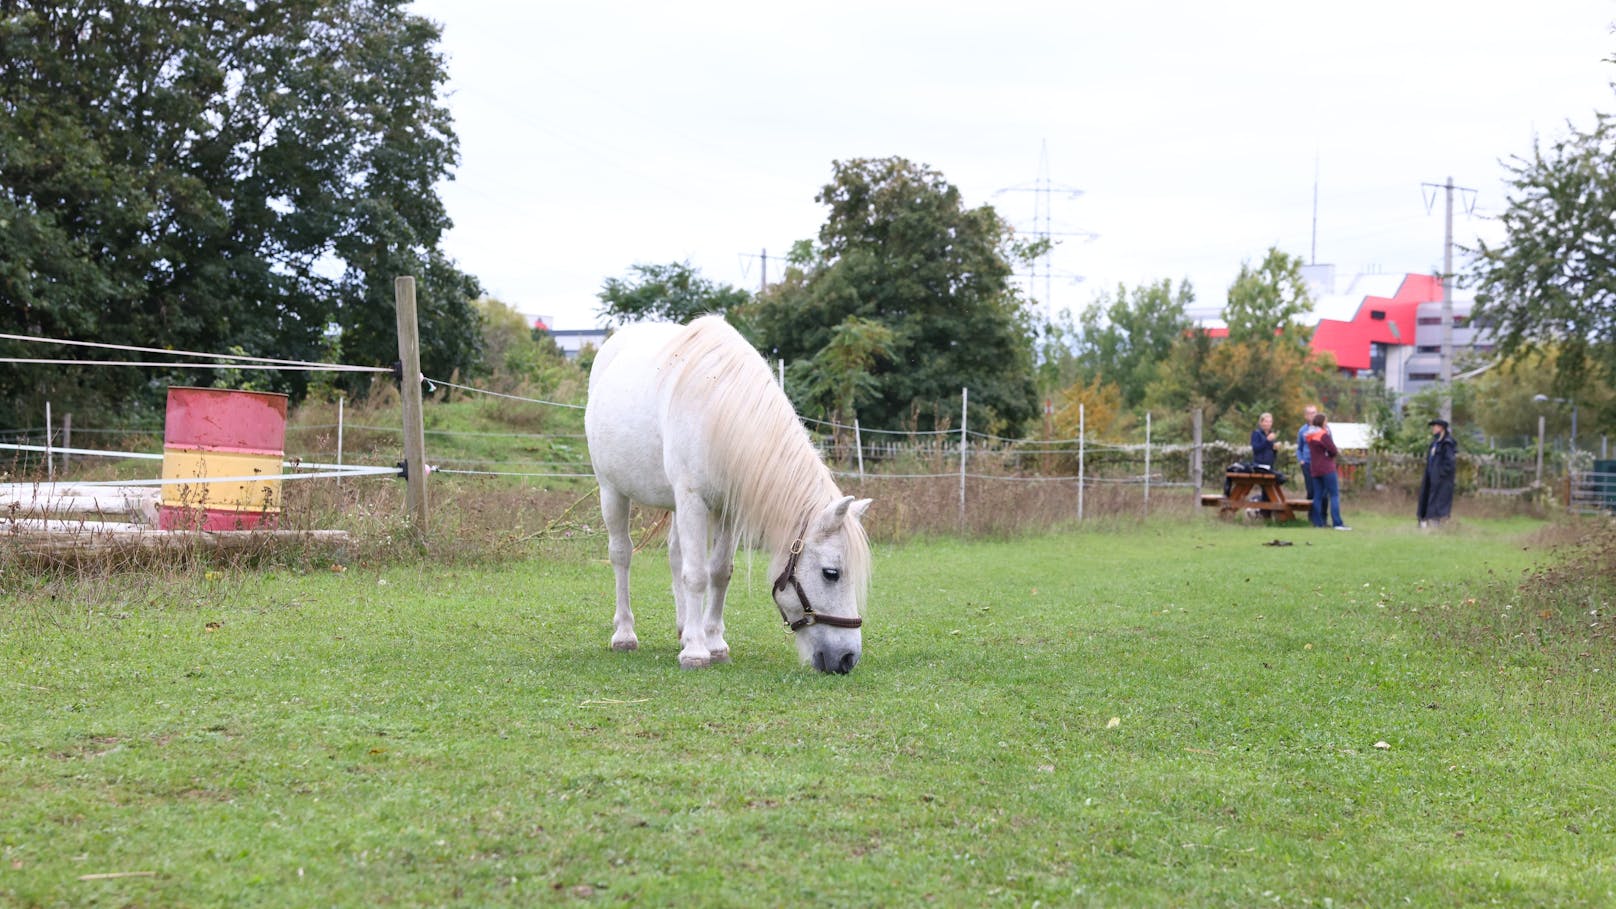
(220, 433)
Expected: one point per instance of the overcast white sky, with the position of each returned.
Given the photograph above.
(597, 135)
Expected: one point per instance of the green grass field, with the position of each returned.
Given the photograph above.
(1142, 715)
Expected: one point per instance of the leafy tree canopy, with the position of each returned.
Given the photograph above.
(839, 378)
(216, 174)
(1551, 280)
(901, 249)
(1264, 364)
(1125, 339)
(1269, 300)
(675, 292)
(1506, 405)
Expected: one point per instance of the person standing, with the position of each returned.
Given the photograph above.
(1302, 451)
(1326, 484)
(1262, 447)
(1262, 442)
(1441, 465)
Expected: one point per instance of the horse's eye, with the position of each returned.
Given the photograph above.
(831, 574)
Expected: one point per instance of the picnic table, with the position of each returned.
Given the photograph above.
(1242, 486)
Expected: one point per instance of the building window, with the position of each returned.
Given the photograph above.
(1429, 348)
(1422, 377)
(1430, 320)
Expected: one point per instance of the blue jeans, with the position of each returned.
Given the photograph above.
(1326, 487)
(1307, 478)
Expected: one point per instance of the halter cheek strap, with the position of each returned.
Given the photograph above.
(809, 617)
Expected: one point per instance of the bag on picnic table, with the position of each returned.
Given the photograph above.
(1247, 467)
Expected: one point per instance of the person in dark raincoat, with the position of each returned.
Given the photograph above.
(1441, 463)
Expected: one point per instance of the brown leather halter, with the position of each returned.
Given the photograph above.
(809, 617)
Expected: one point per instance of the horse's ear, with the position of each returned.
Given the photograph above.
(830, 520)
(860, 507)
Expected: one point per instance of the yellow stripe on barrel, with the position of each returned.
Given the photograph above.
(253, 495)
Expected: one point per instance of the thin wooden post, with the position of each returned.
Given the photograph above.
(1147, 463)
(50, 457)
(1081, 455)
(67, 440)
(858, 446)
(341, 400)
(965, 407)
(1196, 463)
(409, 355)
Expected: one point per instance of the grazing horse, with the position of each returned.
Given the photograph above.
(688, 418)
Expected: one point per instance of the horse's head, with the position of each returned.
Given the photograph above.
(820, 583)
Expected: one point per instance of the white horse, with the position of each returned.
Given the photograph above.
(688, 418)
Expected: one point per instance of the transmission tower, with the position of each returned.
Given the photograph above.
(1044, 192)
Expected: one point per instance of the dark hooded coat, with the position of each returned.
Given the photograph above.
(1436, 490)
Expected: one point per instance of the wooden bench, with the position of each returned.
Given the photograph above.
(1241, 487)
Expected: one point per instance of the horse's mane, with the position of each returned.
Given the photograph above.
(769, 478)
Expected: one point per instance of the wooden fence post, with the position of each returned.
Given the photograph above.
(1195, 452)
(965, 410)
(409, 354)
(1082, 436)
(1147, 463)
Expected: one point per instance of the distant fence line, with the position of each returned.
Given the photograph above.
(1144, 466)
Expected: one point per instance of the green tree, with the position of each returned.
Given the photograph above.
(1505, 403)
(839, 378)
(1269, 301)
(1125, 339)
(901, 249)
(1263, 365)
(217, 174)
(675, 292)
(1551, 280)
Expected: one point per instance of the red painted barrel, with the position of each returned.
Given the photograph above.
(216, 432)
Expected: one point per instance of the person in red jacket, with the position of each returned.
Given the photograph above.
(1321, 465)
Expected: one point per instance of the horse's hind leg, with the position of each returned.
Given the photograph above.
(720, 567)
(614, 508)
(676, 550)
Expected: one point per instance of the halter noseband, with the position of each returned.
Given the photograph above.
(809, 617)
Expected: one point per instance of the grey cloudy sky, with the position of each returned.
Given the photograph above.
(598, 135)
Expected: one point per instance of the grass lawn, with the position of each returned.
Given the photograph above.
(1136, 715)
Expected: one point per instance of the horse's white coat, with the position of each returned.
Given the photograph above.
(689, 418)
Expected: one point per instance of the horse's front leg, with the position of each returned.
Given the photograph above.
(614, 507)
(690, 576)
(720, 567)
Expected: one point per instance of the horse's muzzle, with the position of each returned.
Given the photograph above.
(840, 662)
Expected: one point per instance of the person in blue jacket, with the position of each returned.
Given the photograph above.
(1262, 445)
(1303, 453)
(1262, 442)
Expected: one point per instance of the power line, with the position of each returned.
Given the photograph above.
(1044, 190)
(1447, 283)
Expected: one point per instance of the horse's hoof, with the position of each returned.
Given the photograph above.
(721, 656)
(626, 645)
(694, 662)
